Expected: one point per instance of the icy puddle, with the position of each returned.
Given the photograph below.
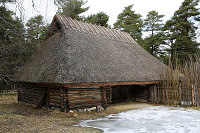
(157, 119)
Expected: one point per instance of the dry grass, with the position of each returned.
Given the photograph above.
(196, 108)
(16, 117)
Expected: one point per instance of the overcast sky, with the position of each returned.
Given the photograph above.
(114, 7)
(111, 7)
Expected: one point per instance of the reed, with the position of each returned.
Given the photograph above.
(180, 85)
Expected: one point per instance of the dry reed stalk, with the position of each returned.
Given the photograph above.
(180, 85)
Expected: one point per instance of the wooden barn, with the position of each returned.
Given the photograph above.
(82, 65)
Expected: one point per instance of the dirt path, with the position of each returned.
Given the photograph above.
(16, 117)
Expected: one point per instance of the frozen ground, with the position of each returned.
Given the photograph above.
(157, 119)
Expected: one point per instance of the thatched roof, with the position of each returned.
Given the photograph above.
(78, 52)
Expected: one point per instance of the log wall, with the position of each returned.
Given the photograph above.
(64, 98)
(54, 97)
(31, 94)
(84, 97)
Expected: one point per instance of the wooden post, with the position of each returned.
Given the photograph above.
(62, 103)
(66, 100)
(103, 97)
(110, 94)
(120, 93)
(193, 95)
(180, 95)
(196, 95)
(18, 94)
(48, 98)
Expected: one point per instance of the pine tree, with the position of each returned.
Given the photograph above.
(36, 31)
(181, 31)
(100, 18)
(73, 9)
(12, 42)
(153, 44)
(130, 22)
(153, 24)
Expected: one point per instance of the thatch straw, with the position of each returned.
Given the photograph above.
(84, 53)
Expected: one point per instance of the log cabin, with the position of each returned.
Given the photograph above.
(82, 65)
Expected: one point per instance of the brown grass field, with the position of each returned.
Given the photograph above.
(21, 117)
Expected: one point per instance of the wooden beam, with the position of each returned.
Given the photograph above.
(62, 103)
(79, 85)
(48, 98)
(110, 94)
(66, 101)
(74, 85)
(103, 97)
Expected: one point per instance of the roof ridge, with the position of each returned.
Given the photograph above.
(94, 29)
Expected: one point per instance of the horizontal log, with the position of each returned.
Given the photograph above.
(84, 100)
(87, 89)
(54, 94)
(35, 95)
(31, 88)
(83, 91)
(31, 92)
(84, 88)
(26, 98)
(54, 100)
(84, 106)
(54, 91)
(55, 105)
(40, 85)
(55, 97)
(73, 85)
(57, 93)
(30, 96)
(81, 98)
(84, 103)
(83, 95)
(27, 101)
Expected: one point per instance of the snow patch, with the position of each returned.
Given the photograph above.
(157, 119)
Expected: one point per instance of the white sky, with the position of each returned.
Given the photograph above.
(114, 7)
(111, 7)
